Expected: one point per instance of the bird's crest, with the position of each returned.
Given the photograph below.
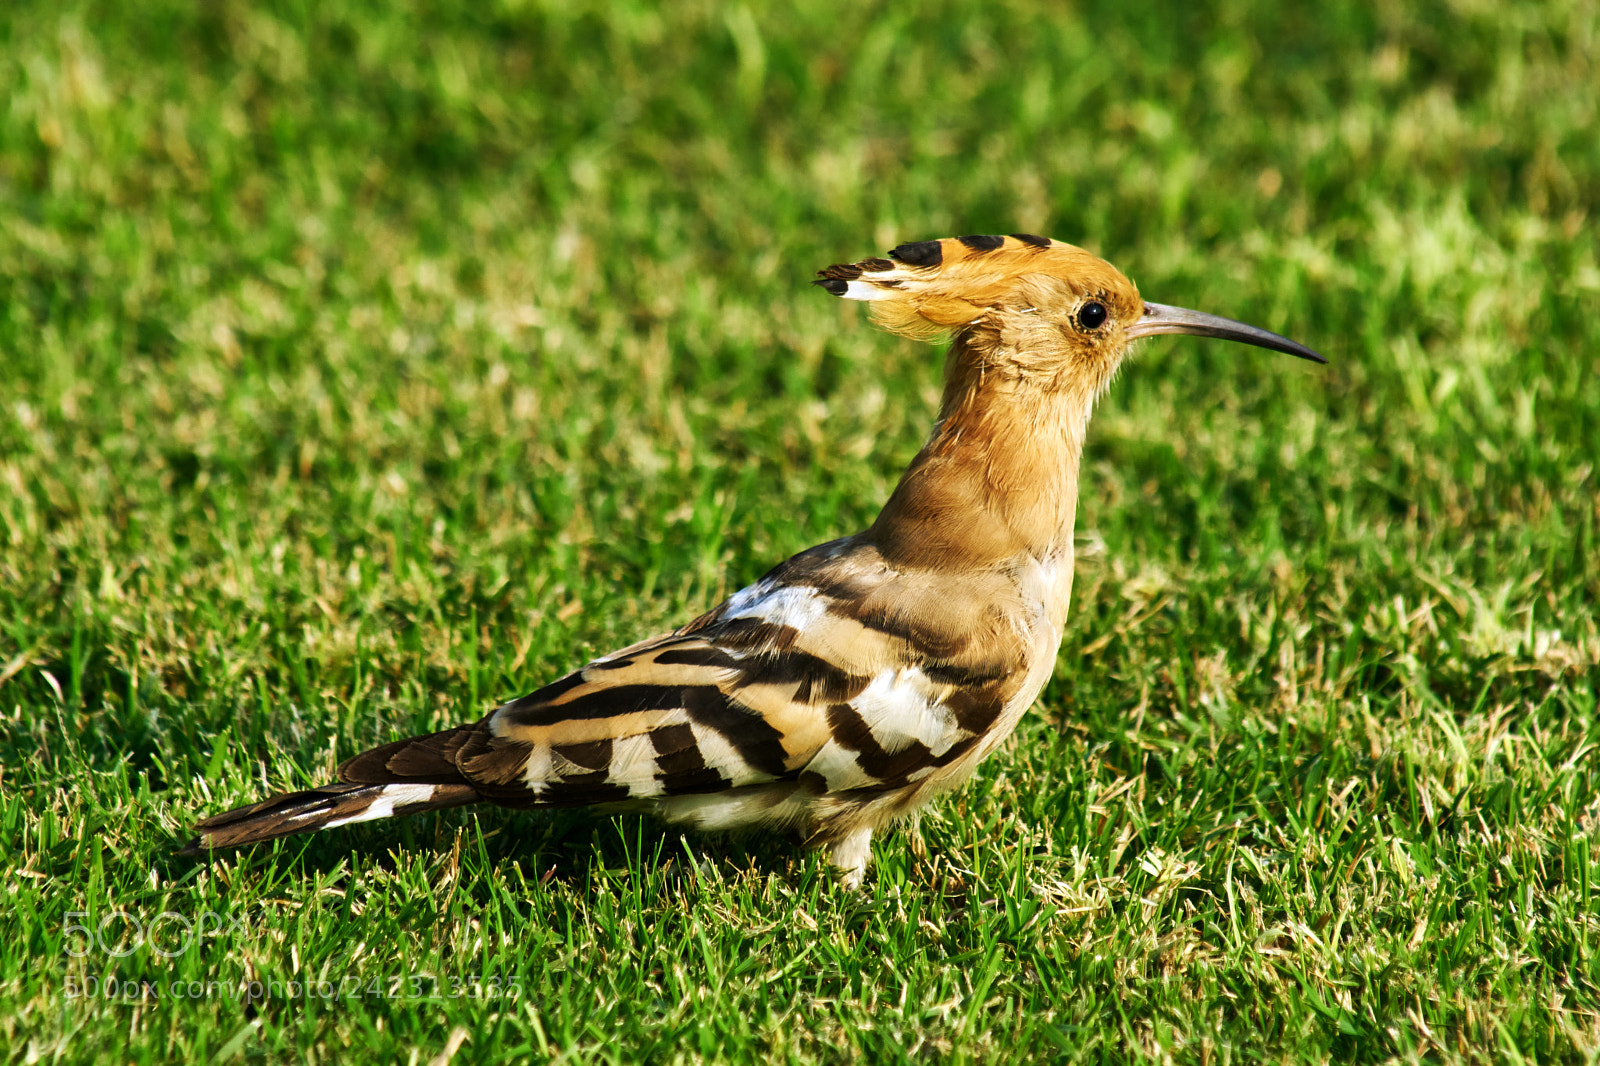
(926, 288)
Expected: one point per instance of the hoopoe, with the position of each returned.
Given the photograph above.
(859, 679)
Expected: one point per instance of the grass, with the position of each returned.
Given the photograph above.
(363, 365)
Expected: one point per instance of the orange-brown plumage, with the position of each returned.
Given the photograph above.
(862, 677)
(999, 474)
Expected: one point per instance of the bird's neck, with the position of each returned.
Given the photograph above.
(997, 482)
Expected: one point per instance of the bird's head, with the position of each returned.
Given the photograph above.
(1025, 307)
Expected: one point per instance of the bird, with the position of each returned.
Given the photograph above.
(859, 679)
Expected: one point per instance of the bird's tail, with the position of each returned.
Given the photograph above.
(324, 808)
(406, 777)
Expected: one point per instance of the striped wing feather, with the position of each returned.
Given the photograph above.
(800, 678)
(833, 695)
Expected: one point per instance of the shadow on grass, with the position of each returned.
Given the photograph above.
(573, 849)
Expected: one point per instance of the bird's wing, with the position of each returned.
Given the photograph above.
(796, 678)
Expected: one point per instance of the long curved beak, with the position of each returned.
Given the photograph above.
(1159, 318)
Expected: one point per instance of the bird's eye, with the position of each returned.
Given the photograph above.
(1092, 315)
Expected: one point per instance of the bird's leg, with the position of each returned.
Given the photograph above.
(851, 855)
(913, 831)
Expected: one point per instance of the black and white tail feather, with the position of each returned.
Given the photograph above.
(325, 807)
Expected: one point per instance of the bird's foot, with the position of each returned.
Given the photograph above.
(851, 855)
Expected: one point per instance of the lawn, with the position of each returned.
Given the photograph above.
(364, 365)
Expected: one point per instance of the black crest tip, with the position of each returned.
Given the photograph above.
(919, 253)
